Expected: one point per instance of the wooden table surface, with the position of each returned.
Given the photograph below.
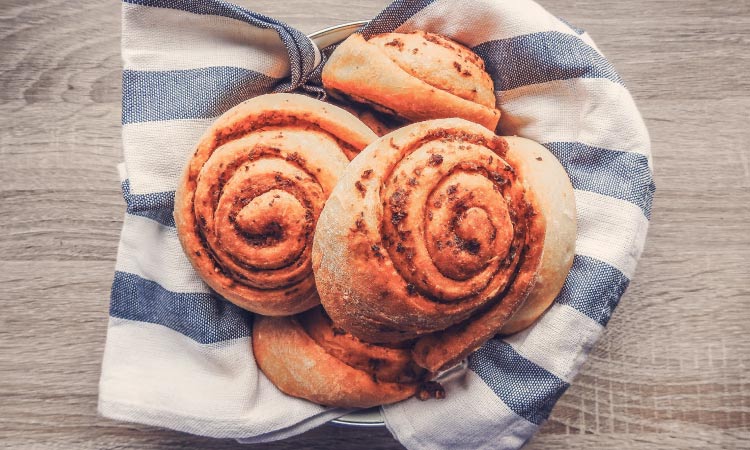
(671, 371)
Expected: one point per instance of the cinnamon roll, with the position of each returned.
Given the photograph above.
(437, 232)
(306, 356)
(416, 76)
(250, 196)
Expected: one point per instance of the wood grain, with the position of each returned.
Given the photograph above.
(671, 370)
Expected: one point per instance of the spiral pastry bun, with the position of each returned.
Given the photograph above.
(416, 76)
(250, 195)
(305, 356)
(437, 231)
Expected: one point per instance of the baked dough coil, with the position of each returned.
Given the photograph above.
(247, 204)
(306, 356)
(415, 76)
(437, 232)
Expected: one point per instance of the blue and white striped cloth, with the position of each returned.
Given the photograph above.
(178, 356)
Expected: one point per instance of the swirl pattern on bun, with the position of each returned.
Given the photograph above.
(436, 232)
(250, 196)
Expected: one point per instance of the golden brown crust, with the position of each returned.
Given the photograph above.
(251, 193)
(432, 233)
(554, 193)
(417, 76)
(439, 62)
(304, 356)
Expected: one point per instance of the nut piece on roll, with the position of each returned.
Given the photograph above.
(249, 198)
(305, 356)
(438, 231)
(416, 76)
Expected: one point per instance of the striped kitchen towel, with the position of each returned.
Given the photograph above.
(179, 356)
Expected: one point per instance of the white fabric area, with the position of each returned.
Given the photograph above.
(152, 251)
(610, 230)
(193, 41)
(156, 152)
(560, 357)
(471, 417)
(592, 111)
(157, 376)
(507, 21)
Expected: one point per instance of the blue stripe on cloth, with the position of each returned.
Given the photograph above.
(623, 175)
(542, 57)
(529, 390)
(300, 49)
(188, 94)
(156, 206)
(163, 216)
(593, 287)
(393, 16)
(205, 318)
